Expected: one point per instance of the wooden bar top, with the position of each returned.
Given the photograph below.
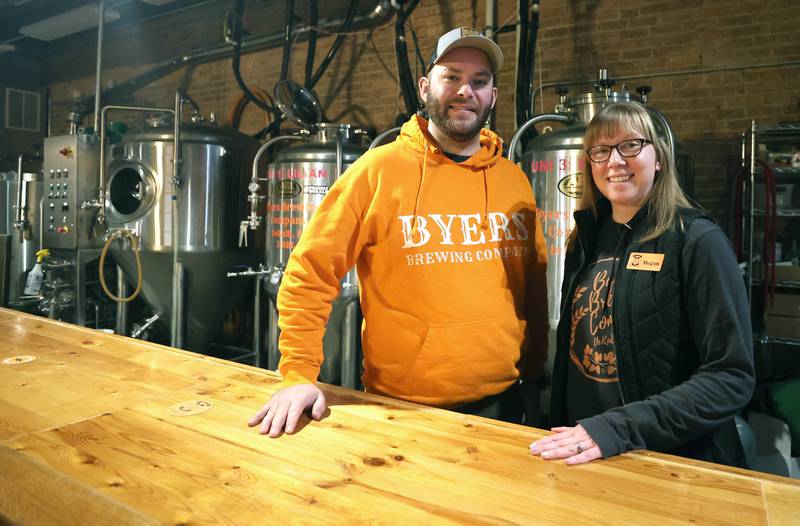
(100, 429)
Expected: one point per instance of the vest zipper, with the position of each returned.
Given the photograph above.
(614, 327)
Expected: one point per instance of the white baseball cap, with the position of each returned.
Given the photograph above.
(467, 37)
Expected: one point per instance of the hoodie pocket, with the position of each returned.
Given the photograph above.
(463, 362)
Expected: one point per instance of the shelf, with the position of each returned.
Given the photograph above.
(778, 129)
(785, 212)
(763, 338)
(778, 171)
(780, 284)
(785, 170)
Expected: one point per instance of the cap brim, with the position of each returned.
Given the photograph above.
(486, 45)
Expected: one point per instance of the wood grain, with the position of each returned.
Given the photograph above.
(89, 422)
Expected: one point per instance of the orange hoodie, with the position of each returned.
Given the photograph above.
(451, 261)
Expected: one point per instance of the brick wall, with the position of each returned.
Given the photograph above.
(663, 42)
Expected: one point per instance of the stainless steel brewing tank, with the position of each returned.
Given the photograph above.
(20, 255)
(210, 201)
(554, 163)
(299, 179)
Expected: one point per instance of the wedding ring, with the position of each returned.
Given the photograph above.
(579, 448)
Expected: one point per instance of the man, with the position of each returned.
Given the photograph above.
(450, 256)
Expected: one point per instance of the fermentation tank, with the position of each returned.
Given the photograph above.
(214, 165)
(299, 178)
(555, 164)
(20, 232)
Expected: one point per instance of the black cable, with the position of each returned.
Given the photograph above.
(407, 85)
(351, 13)
(416, 48)
(237, 44)
(533, 35)
(313, 20)
(287, 38)
(522, 58)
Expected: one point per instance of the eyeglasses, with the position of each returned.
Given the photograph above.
(628, 148)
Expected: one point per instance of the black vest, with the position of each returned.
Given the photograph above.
(654, 348)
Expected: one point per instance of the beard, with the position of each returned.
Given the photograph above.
(457, 130)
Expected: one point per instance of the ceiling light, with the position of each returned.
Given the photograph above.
(67, 23)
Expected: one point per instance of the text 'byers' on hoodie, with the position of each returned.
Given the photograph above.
(451, 262)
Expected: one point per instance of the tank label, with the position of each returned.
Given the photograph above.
(541, 166)
(288, 189)
(315, 189)
(563, 164)
(558, 226)
(572, 185)
(291, 207)
(296, 172)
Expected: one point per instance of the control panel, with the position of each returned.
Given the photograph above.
(71, 177)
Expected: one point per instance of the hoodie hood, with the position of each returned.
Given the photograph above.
(415, 135)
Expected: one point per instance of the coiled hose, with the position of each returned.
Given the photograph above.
(135, 247)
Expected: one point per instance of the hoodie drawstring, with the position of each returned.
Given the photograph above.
(484, 223)
(417, 200)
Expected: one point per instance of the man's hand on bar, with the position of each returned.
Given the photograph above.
(283, 410)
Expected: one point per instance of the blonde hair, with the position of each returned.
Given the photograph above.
(666, 195)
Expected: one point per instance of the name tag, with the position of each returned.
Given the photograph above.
(645, 261)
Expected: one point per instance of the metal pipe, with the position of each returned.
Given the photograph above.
(122, 306)
(382, 13)
(96, 306)
(252, 221)
(258, 274)
(97, 84)
(49, 111)
(264, 148)
(512, 147)
(339, 154)
(490, 19)
(19, 223)
(753, 131)
(273, 352)
(257, 323)
(349, 344)
(143, 327)
(489, 32)
(100, 202)
(379, 139)
(176, 318)
(579, 82)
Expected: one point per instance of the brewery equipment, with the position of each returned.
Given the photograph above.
(68, 230)
(141, 198)
(297, 179)
(20, 236)
(555, 165)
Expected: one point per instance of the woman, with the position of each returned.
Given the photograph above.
(654, 346)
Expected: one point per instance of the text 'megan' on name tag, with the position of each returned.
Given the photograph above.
(645, 261)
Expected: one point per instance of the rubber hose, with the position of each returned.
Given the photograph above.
(135, 246)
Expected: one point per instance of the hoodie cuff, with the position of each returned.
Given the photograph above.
(291, 378)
